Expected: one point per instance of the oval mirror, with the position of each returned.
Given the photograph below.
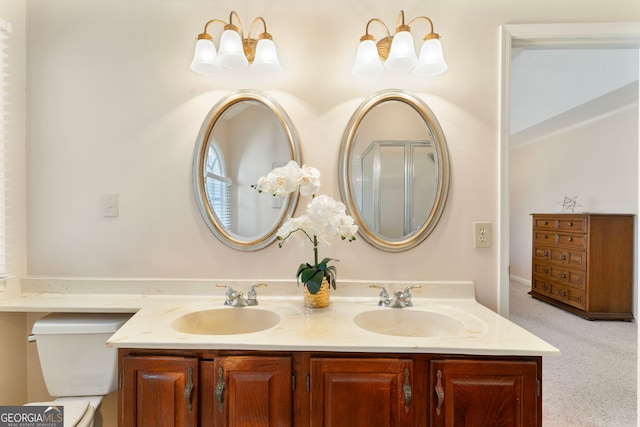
(394, 170)
(244, 136)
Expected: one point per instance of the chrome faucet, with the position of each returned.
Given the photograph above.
(237, 299)
(400, 299)
(252, 295)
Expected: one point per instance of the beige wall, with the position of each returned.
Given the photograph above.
(113, 107)
(598, 162)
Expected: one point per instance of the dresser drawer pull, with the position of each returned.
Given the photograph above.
(570, 224)
(571, 239)
(546, 253)
(564, 275)
(546, 237)
(563, 257)
(545, 223)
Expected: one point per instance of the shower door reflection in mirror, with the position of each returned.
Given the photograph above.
(399, 186)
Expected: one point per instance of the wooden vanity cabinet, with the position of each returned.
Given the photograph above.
(158, 391)
(484, 393)
(361, 392)
(165, 388)
(246, 391)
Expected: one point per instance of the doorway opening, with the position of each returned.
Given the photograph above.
(561, 40)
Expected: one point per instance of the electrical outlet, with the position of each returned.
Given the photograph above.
(481, 234)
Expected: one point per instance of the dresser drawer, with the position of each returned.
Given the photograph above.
(568, 295)
(578, 241)
(575, 279)
(541, 287)
(561, 223)
(542, 269)
(575, 225)
(568, 257)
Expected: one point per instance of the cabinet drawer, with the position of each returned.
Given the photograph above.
(575, 225)
(576, 279)
(568, 295)
(541, 287)
(573, 259)
(570, 258)
(542, 269)
(572, 224)
(578, 241)
(544, 223)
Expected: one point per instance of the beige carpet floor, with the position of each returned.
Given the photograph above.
(594, 382)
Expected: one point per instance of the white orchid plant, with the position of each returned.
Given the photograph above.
(325, 218)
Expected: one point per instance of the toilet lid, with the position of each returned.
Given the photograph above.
(74, 410)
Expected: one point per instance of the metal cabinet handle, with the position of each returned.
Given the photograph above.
(220, 388)
(407, 390)
(439, 392)
(188, 389)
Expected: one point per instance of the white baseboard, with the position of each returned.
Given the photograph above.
(520, 280)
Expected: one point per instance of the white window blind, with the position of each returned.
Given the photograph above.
(5, 32)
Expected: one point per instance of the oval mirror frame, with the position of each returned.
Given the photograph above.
(289, 204)
(442, 160)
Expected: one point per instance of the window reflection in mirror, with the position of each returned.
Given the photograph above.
(244, 137)
(394, 170)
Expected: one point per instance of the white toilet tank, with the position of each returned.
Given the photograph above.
(73, 354)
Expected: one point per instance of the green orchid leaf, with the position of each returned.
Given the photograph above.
(302, 268)
(314, 283)
(309, 273)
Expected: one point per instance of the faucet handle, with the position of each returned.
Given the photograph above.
(406, 294)
(230, 294)
(384, 295)
(407, 290)
(228, 288)
(252, 295)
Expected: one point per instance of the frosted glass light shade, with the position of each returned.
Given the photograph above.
(368, 62)
(431, 60)
(204, 58)
(231, 53)
(402, 55)
(266, 58)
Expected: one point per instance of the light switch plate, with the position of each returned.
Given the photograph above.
(109, 205)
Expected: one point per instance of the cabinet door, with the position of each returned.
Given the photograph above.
(361, 392)
(484, 393)
(158, 391)
(246, 391)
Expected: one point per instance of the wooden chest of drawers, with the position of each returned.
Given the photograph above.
(583, 263)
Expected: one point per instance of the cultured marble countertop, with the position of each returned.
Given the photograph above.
(480, 331)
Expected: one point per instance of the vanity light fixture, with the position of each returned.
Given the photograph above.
(235, 51)
(397, 52)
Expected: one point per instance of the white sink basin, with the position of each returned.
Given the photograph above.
(226, 321)
(409, 323)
